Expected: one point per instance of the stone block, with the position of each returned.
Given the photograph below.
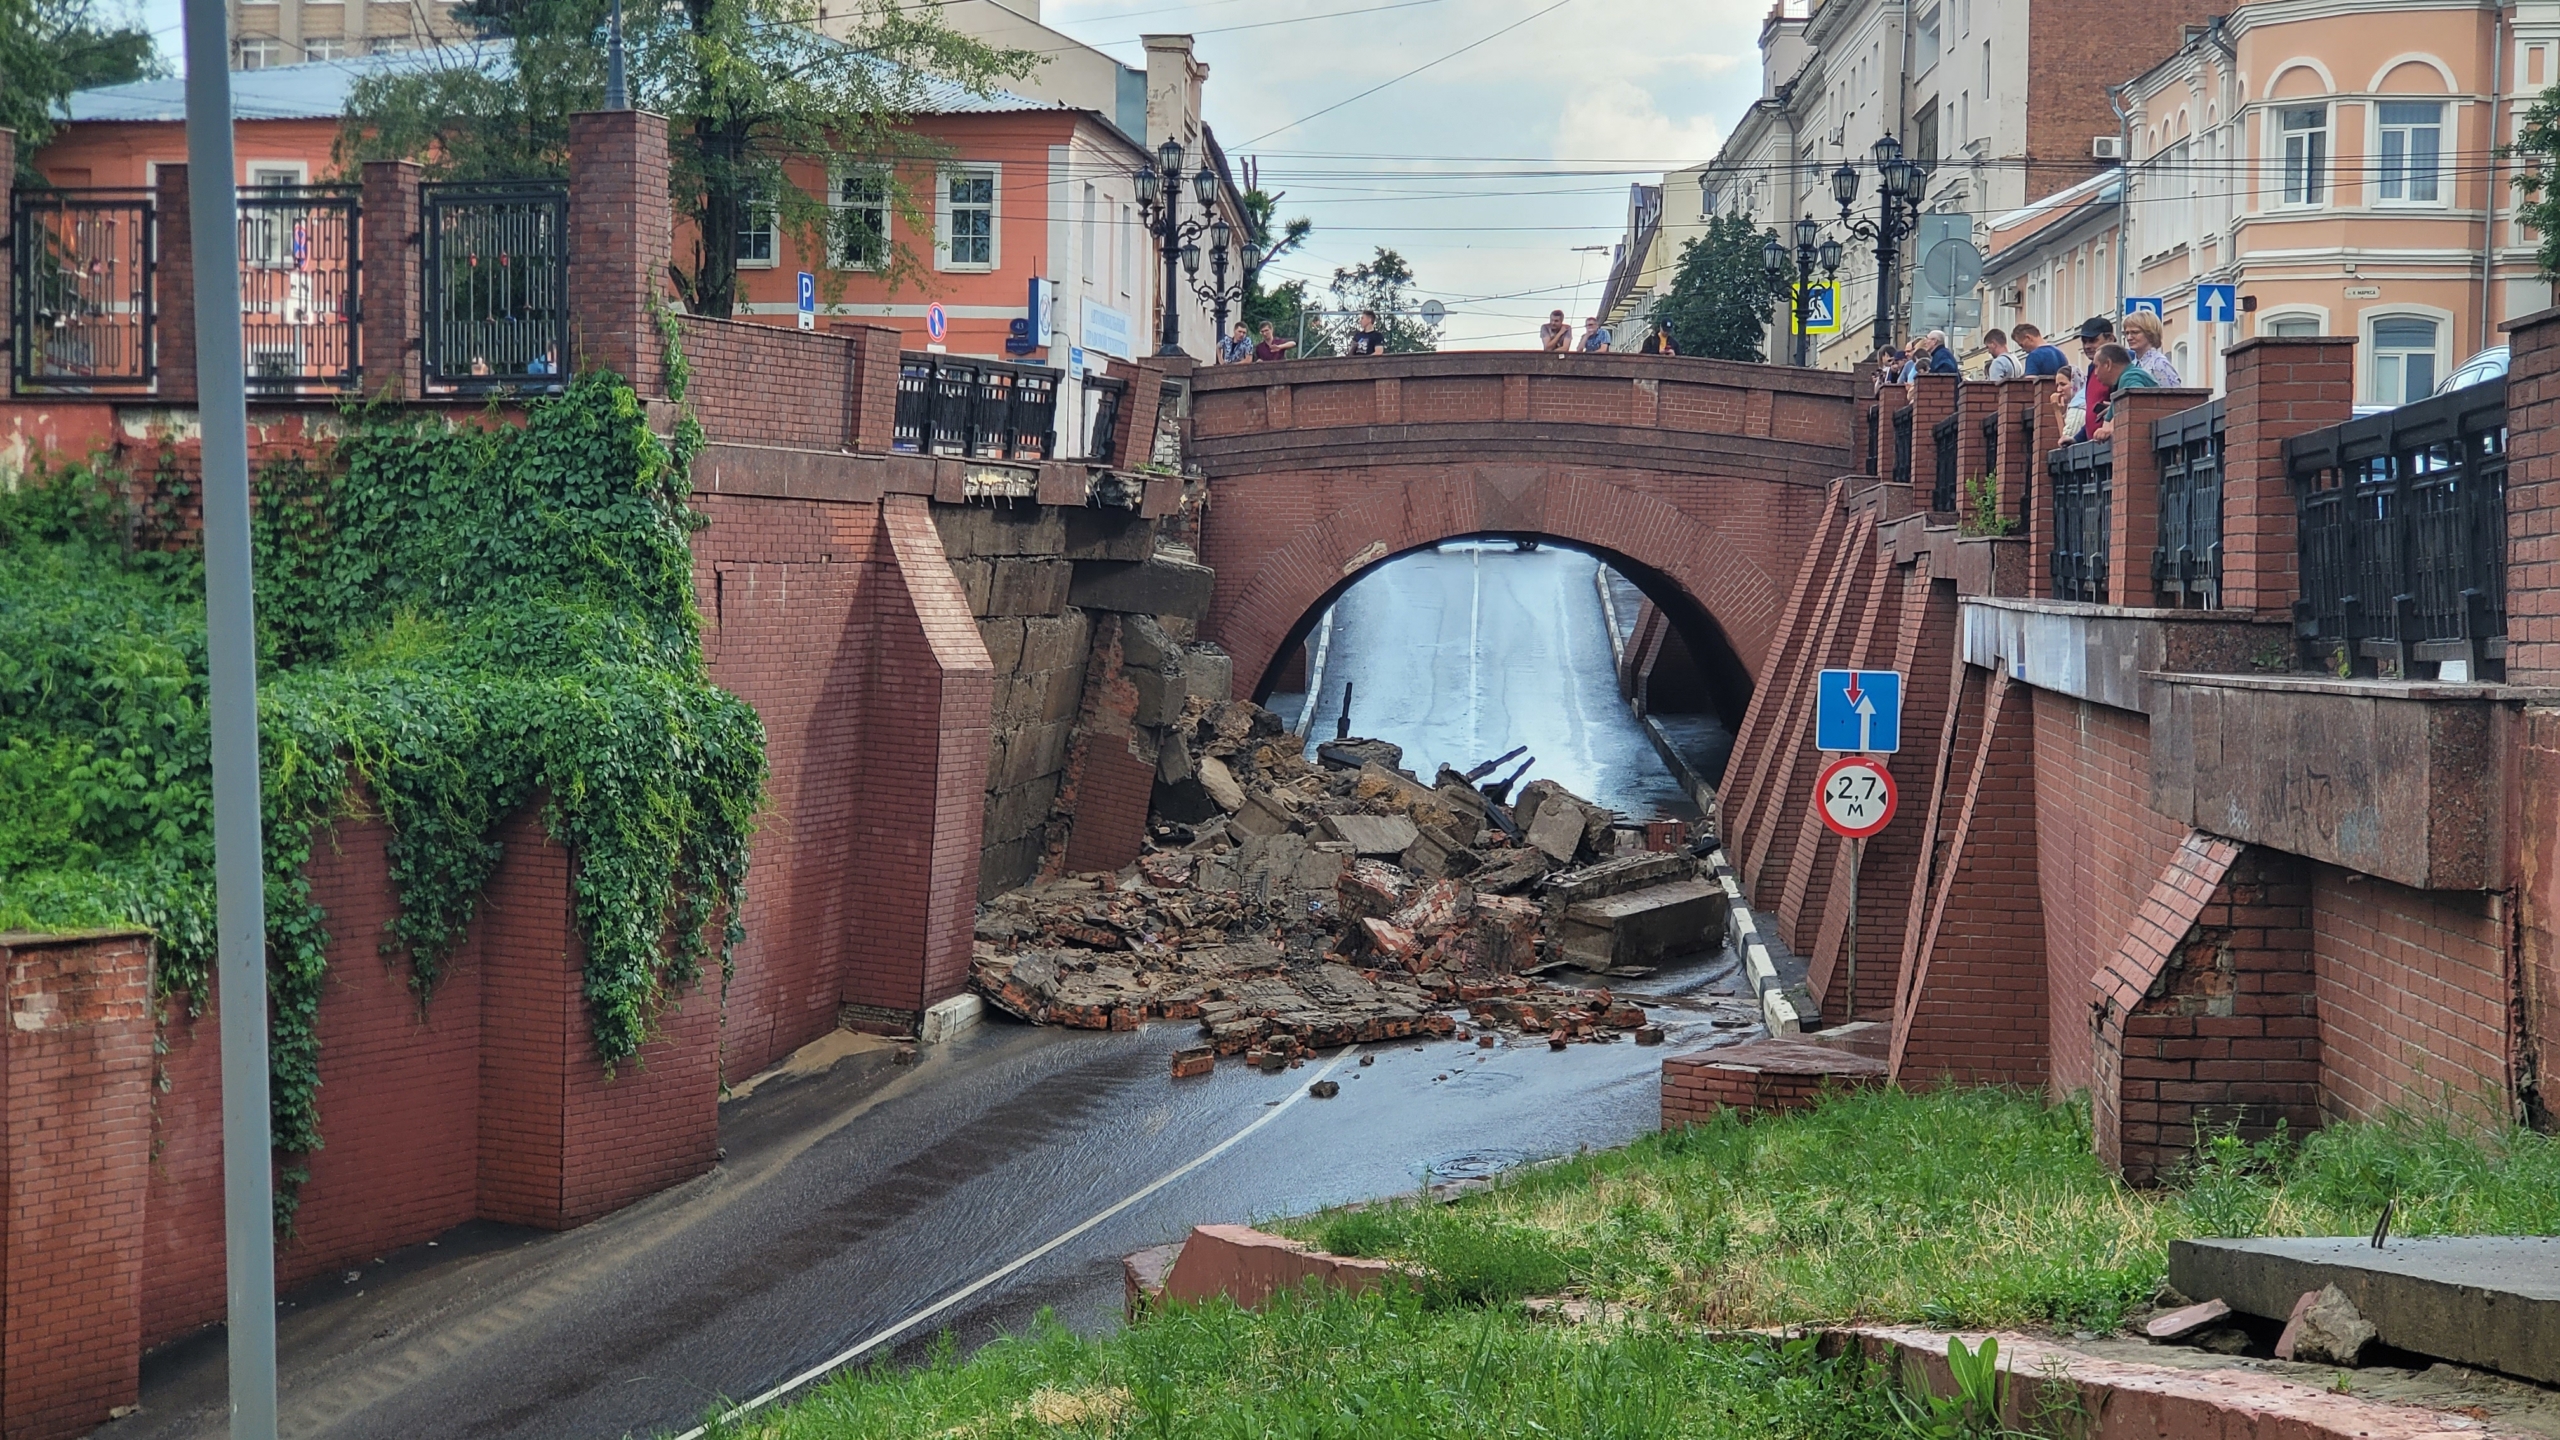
(1173, 760)
(976, 579)
(1372, 834)
(1160, 695)
(1056, 642)
(1221, 784)
(977, 531)
(1020, 586)
(1159, 586)
(1208, 673)
(1261, 815)
(1646, 927)
(1002, 635)
(1061, 694)
(949, 1019)
(1557, 831)
(1107, 535)
(1015, 812)
(2484, 1301)
(1145, 646)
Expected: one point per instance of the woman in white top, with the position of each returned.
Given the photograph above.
(2141, 331)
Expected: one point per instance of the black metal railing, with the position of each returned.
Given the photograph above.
(2081, 479)
(2401, 520)
(1102, 445)
(496, 256)
(1991, 446)
(1942, 438)
(2188, 560)
(985, 409)
(1902, 446)
(300, 302)
(1875, 428)
(2026, 468)
(81, 304)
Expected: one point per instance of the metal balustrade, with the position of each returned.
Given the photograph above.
(81, 304)
(1902, 446)
(496, 257)
(300, 301)
(2187, 562)
(1103, 445)
(2401, 520)
(1942, 438)
(985, 409)
(2081, 479)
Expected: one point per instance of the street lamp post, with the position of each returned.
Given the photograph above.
(1177, 239)
(1901, 184)
(1218, 293)
(1810, 250)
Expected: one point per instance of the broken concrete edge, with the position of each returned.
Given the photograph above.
(952, 1018)
(2125, 1398)
(1776, 1010)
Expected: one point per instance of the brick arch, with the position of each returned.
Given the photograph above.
(1732, 568)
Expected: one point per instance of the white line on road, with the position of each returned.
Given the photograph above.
(882, 1337)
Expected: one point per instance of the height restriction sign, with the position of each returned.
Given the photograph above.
(1857, 796)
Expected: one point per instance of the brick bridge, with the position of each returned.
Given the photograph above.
(1701, 480)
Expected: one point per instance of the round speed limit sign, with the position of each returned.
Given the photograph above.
(1857, 796)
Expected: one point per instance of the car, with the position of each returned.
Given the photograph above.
(2489, 364)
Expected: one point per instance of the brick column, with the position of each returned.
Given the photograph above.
(1974, 400)
(621, 239)
(391, 279)
(2133, 526)
(2533, 495)
(1134, 442)
(1933, 398)
(2039, 488)
(2015, 472)
(174, 303)
(871, 406)
(75, 1073)
(2277, 387)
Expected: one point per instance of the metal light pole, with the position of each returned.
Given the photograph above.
(1160, 198)
(231, 646)
(1902, 184)
(617, 89)
(1218, 293)
(1810, 250)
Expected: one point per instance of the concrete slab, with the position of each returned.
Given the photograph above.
(2492, 1301)
(1373, 834)
(1644, 927)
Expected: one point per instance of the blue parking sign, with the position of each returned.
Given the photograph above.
(808, 301)
(1859, 710)
(2145, 305)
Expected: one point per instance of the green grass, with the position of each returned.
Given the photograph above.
(1968, 1209)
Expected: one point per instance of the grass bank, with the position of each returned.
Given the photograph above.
(1965, 1209)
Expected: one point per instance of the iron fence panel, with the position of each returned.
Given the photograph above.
(985, 409)
(2082, 480)
(1942, 438)
(2187, 561)
(1902, 446)
(496, 311)
(300, 297)
(81, 304)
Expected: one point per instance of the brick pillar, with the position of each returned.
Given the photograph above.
(2011, 399)
(2134, 523)
(391, 279)
(871, 409)
(174, 304)
(2533, 494)
(75, 1070)
(2039, 502)
(1974, 400)
(621, 239)
(1134, 441)
(1933, 398)
(2277, 387)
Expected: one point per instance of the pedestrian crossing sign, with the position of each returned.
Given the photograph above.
(1822, 308)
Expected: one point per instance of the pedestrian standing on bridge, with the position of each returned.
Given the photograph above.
(1368, 339)
(2004, 366)
(1236, 349)
(1556, 336)
(1942, 358)
(1595, 337)
(1659, 342)
(2142, 341)
(1270, 348)
(2041, 361)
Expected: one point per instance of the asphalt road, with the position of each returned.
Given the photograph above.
(852, 1198)
(1460, 653)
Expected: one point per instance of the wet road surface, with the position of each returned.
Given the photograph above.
(851, 1199)
(1459, 654)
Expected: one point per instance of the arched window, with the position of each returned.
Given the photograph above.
(2405, 359)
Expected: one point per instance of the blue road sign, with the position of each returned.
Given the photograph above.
(1821, 308)
(2144, 305)
(1859, 710)
(808, 301)
(935, 322)
(2217, 304)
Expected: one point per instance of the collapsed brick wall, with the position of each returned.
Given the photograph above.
(2415, 996)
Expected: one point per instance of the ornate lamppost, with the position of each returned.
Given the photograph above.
(1902, 183)
(1160, 199)
(1218, 294)
(1810, 250)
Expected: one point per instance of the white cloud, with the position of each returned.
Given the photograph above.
(1617, 117)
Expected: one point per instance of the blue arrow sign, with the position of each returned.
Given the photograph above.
(2144, 305)
(2217, 304)
(1859, 710)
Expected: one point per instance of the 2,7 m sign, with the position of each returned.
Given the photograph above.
(1857, 796)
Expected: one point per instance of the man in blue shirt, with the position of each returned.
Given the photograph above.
(2043, 361)
(1942, 361)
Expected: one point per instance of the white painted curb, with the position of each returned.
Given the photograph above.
(1776, 1010)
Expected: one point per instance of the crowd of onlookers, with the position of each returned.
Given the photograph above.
(2083, 394)
(1241, 348)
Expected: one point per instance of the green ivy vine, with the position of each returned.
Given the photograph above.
(457, 620)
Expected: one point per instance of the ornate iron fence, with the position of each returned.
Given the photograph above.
(2402, 522)
(1942, 498)
(2082, 479)
(1103, 443)
(2026, 467)
(300, 300)
(496, 256)
(985, 409)
(2188, 560)
(1902, 446)
(1875, 427)
(81, 303)
(1991, 446)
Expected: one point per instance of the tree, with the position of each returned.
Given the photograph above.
(1261, 208)
(2538, 179)
(1720, 299)
(1380, 283)
(754, 92)
(50, 48)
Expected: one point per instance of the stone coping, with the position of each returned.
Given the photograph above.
(2299, 683)
(32, 939)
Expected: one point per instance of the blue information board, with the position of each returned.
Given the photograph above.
(1859, 710)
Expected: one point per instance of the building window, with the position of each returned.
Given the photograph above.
(1125, 241)
(1926, 151)
(1925, 37)
(324, 47)
(261, 54)
(758, 236)
(2404, 359)
(861, 220)
(2306, 152)
(969, 219)
(1092, 262)
(2412, 139)
(2289, 325)
(1986, 69)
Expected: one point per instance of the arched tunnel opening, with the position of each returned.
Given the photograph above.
(1488, 641)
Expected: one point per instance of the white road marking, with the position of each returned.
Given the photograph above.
(882, 1337)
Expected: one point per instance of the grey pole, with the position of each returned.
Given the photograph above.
(239, 872)
(617, 91)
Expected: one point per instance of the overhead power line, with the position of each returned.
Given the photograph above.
(1409, 74)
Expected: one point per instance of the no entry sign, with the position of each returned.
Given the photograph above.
(1857, 796)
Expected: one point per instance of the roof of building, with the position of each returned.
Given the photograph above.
(318, 89)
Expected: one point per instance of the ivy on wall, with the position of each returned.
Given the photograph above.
(456, 621)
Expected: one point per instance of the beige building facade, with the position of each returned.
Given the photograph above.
(272, 33)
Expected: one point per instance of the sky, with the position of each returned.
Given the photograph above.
(1485, 171)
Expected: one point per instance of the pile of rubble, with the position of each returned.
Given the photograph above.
(1289, 905)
